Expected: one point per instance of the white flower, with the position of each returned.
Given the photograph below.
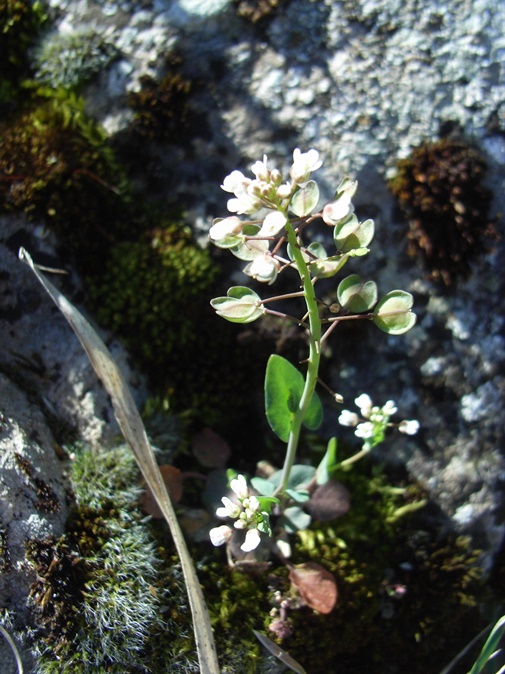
(390, 408)
(264, 268)
(254, 504)
(252, 540)
(409, 426)
(230, 509)
(220, 535)
(347, 418)
(364, 402)
(244, 189)
(304, 164)
(239, 487)
(234, 182)
(240, 524)
(338, 210)
(364, 430)
(221, 229)
(272, 224)
(260, 169)
(243, 203)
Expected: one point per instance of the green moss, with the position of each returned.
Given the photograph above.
(161, 108)
(440, 189)
(93, 597)
(407, 595)
(57, 167)
(153, 293)
(110, 595)
(20, 24)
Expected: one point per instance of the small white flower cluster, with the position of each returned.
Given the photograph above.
(372, 424)
(246, 513)
(266, 191)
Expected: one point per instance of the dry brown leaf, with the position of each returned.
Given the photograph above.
(316, 585)
(329, 501)
(172, 477)
(211, 450)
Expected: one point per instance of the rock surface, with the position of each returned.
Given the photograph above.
(32, 498)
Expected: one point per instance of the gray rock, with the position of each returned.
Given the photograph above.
(33, 502)
(40, 349)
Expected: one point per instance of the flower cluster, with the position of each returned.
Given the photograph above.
(248, 513)
(374, 420)
(268, 193)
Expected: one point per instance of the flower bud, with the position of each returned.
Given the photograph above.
(409, 426)
(264, 268)
(347, 418)
(220, 535)
(338, 210)
(223, 229)
(284, 191)
(268, 191)
(276, 177)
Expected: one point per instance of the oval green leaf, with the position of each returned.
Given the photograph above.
(352, 234)
(283, 391)
(393, 313)
(305, 199)
(295, 519)
(356, 295)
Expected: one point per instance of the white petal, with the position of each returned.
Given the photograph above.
(272, 224)
(236, 180)
(239, 486)
(364, 402)
(229, 226)
(390, 408)
(364, 430)
(252, 540)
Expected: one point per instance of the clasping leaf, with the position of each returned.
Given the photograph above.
(284, 386)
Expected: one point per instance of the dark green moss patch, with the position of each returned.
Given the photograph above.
(440, 189)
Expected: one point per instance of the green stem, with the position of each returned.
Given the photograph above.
(312, 362)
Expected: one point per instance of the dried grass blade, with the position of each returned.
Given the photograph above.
(132, 427)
